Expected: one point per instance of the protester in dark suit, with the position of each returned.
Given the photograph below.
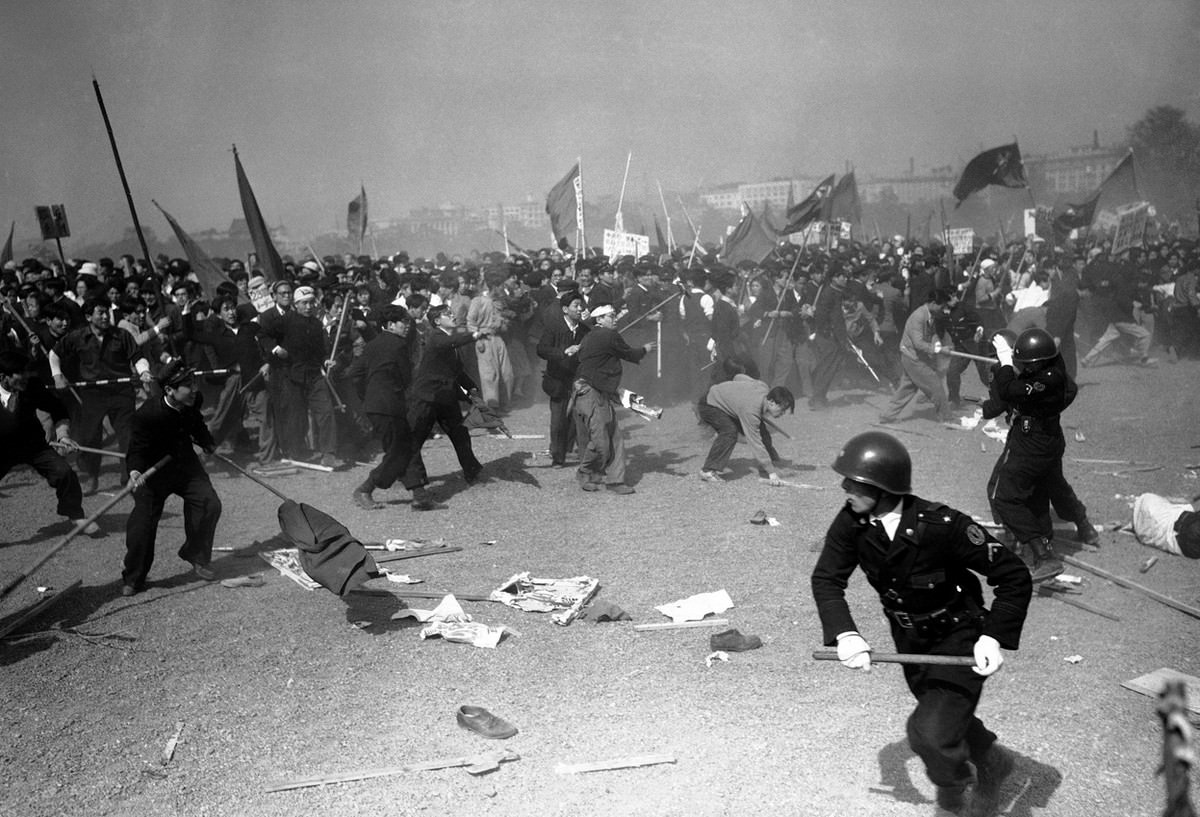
(559, 347)
(439, 382)
(162, 426)
(23, 440)
(385, 371)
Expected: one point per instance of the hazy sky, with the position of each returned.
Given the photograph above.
(483, 102)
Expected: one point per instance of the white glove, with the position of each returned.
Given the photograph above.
(1004, 352)
(854, 652)
(988, 657)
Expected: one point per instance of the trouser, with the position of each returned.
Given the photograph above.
(1140, 335)
(789, 355)
(601, 444)
(309, 396)
(446, 414)
(56, 471)
(113, 402)
(201, 512)
(495, 370)
(1024, 485)
(943, 729)
(919, 377)
(827, 354)
(522, 370)
(396, 437)
(258, 413)
(728, 428)
(562, 429)
(275, 419)
(957, 366)
(226, 420)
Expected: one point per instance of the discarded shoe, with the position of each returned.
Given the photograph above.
(253, 580)
(733, 641)
(759, 518)
(484, 723)
(620, 488)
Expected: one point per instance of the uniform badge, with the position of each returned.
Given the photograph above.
(976, 535)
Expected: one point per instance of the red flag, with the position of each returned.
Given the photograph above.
(269, 261)
(748, 242)
(207, 271)
(811, 208)
(356, 216)
(1000, 166)
(562, 205)
(6, 254)
(842, 203)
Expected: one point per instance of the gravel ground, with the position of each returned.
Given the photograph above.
(277, 682)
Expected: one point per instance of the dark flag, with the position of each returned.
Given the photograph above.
(1000, 166)
(843, 203)
(1075, 216)
(663, 246)
(810, 209)
(208, 271)
(748, 242)
(1120, 186)
(768, 220)
(268, 258)
(562, 205)
(356, 216)
(6, 254)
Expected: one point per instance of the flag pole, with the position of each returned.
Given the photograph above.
(667, 214)
(620, 222)
(581, 239)
(112, 140)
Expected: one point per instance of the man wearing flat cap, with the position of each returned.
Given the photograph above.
(597, 381)
(169, 425)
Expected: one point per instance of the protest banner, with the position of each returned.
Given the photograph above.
(1131, 226)
(618, 243)
(961, 240)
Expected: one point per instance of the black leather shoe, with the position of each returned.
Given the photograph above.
(484, 723)
(734, 641)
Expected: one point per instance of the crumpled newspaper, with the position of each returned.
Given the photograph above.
(973, 420)
(449, 621)
(696, 607)
(719, 655)
(399, 578)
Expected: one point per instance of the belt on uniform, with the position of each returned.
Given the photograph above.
(910, 621)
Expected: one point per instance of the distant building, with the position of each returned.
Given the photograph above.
(1080, 170)
(911, 188)
(724, 197)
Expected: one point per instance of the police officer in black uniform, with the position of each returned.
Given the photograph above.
(922, 558)
(1032, 384)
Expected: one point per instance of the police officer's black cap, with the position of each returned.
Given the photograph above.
(175, 373)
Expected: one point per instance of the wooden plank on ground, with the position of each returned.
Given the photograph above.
(683, 625)
(617, 763)
(1151, 684)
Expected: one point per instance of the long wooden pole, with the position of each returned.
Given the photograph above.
(79, 526)
(904, 658)
(248, 475)
(786, 283)
(137, 225)
(620, 223)
(1132, 585)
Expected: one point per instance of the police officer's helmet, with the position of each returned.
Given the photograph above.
(876, 459)
(1034, 345)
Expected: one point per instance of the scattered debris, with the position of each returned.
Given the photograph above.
(253, 580)
(449, 621)
(1149, 563)
(1132, 585)
(619, 763)
(1079, 438)
(311, 466)
(169, 751)
(476, 764)
(599, 611)
(397, 556)
(696, 607)
(287, 562)
(1073, 659)
(47, 598)
(719, 655)
(399, 578)
(563, 598)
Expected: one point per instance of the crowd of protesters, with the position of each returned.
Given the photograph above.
(876, 315)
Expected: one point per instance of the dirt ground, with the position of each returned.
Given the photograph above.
(277, 682)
